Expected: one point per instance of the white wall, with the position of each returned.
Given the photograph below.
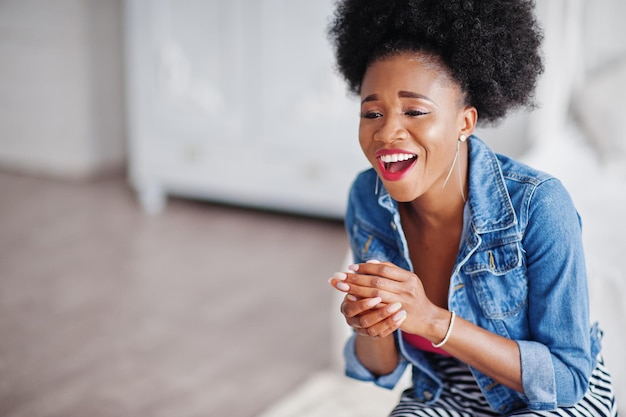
(61, 86)
(62, 107)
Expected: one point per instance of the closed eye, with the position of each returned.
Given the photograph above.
(415, 113)
(371, 115)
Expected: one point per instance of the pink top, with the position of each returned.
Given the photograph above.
(422, 344)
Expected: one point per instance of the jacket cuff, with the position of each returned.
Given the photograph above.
(356, 370)
(538, 377)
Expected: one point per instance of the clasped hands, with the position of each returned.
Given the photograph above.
(381, 298)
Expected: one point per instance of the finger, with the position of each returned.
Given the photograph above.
(361, 286)
(393, 323)
(351, 297)
(369, 319)
(338, 281)
(387, 326)
(382, 330)
(358, 306)
(368, 293)
(366, 286)
(382, 269)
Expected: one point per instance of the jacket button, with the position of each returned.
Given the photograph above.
(428, 395)
(393, 226)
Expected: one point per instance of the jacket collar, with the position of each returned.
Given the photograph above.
(489, 203)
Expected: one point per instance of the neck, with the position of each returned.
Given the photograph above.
(440, 214)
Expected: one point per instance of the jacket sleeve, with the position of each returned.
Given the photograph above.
(557, 363)
(354, 367)
(356, 370)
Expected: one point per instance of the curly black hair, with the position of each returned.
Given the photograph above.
(490, 47)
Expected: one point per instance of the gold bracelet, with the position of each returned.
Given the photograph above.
(448, 332)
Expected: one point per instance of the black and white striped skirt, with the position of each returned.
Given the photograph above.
(462, 397)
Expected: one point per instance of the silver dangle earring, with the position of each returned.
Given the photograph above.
(462, 138)
(376, 187)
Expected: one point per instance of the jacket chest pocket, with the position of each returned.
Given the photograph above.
(498, 277)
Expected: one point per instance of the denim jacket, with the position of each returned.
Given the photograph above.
(519, 273)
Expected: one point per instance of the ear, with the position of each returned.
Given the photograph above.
(468, 117)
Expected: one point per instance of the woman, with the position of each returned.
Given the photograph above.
(469, 265)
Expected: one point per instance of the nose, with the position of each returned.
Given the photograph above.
(391, 129)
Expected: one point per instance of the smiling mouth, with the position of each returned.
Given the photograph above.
(396, 163)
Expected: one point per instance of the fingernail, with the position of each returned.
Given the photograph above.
(399, 316)
(353, 267)
(351, 297)
(373, 261)
(342, 286)
(340, 276)
(373, 302)
(394, 307)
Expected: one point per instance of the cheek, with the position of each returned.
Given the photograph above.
(440, 152)
(435, 132)
(365, 140)
(434, 142)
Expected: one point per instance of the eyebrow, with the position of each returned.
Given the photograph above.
(401, 94)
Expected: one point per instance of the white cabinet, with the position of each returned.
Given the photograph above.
(238, 101)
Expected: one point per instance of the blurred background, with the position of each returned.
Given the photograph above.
(172, 181)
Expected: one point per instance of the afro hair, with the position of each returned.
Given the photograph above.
(490, 47)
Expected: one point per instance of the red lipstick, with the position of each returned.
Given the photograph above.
(394, 164)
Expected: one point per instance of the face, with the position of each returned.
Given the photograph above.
(411, 119)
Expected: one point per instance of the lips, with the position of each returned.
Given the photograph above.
(394, 164)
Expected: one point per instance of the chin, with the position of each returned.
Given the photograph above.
(400, 193)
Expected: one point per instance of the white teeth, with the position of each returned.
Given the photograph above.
(396, 157)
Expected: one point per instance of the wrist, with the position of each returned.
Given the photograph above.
(440, 327)
(448, 332)
(378, 354)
